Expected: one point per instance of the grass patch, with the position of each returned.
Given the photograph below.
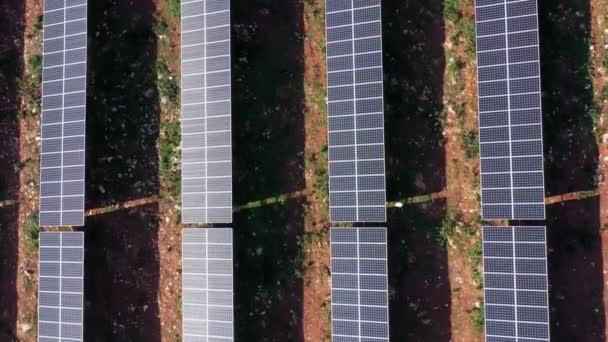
(167, 86)
(170, 158)
(32, 230)
(478, 316)
(475, 255)
(446, 231)
(469, 144)
(321, 188)
(173, 9)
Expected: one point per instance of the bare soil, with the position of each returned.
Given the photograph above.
(282, 251)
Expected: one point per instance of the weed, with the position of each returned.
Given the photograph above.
(169, 158)
(448, 227)
(32, 230)
(469, 144)
(173, 9)
(451, 10)
(36, 27)
(27, 284)
(475, 255)
(478, 316)
(321, 188)
(167, 86)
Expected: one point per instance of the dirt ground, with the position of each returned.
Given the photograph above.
(279, 133)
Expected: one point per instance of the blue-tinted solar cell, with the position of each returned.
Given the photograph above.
(206, 112)
(515, 283)
(60, 291)
(359, 284)
(355, 95)
(509, 109)
(63, 113)
(207, 284)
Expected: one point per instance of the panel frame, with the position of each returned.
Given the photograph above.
(61, 247)
(333, 245)
(517, 210)
(197, 206)
(375, 212)
(204, 233)
(52, 216)
(513, 243)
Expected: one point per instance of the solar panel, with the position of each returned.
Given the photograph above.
(62, 147)
(206, 112)
(510, 120)
(207, 304)
(515, 284)
(60, 290)
(355, 108)
(359, 285)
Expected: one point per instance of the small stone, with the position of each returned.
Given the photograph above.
(25, 327)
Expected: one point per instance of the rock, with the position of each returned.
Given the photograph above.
(25, 327)
(605, 138)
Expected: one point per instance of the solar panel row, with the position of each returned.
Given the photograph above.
(62, 150)
(515, 284)
(206, 112)
(207, 304)
(359, 289)
(510, 122)
(60, 291)
(355, 109)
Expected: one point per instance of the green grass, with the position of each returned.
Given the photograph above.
(475, 255)
(469, 144)
(167, 85)
(173, 8)
(32, 230)
(478, 316)
(169, 158)
(446, 231)
(321, 188)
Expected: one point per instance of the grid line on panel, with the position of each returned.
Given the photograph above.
(205, 98)
(57, 75)
(206, 303)
(509, 109)
(355, 111)
(352, 15)
(515, 284)
(53, 311)
(359, 292)
(509, 105)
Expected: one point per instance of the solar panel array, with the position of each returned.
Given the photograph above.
(357, 187)
(511, 147)
(206, 112)
(62, 150)
(359, 289)
(60, 290)
(207, 296)
(515, 284)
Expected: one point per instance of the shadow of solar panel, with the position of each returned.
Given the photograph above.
(62, 147)
(359, 284)
(60, 290)
(355, 110)
(206, 112)
(207, 284)
(510, 122)
(515, 283)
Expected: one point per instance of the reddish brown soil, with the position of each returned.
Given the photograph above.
(316, 295)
